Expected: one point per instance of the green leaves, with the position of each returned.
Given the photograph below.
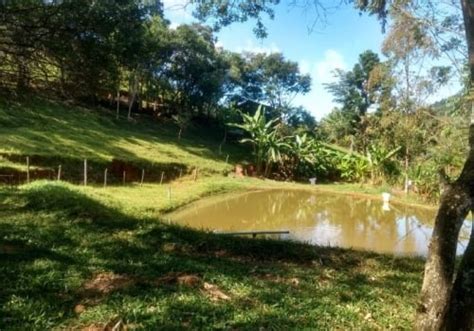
(297, 155)
(263, 136)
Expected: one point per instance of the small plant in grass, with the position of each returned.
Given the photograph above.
(182, 120)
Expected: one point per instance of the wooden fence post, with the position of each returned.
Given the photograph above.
(124, 176)
(59, 172)
(28, 169)
(85, 172)
(143, 177)
(105, 177)
(180, 173)
(227, 159)
(195, 173)
(162, 176)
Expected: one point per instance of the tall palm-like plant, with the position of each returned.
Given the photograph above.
(263, 137)
(274, 149)
(378, 158)
(303, 150)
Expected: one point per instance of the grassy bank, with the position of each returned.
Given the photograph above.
(55, 133)
(75, 257)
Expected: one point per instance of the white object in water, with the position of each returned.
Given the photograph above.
(386, 197)
(386, 206)
(312, 181)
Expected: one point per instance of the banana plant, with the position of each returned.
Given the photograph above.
(378, 158)
(263, 138)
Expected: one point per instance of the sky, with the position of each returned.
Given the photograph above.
(335, 44)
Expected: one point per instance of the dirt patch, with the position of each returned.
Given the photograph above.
(176, 248)
(174, 278)
(115, 324)
(107, 282)
(214, 293)
(295, 282)
(79, 309)
(10, 248)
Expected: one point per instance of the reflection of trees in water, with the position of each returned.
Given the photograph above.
(371, 227)
(343, 220)
(322, 218)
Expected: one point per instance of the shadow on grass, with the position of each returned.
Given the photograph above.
(55, 242)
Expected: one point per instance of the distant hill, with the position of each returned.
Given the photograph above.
(447, 106)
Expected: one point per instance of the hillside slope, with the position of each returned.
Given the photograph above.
(52, 134)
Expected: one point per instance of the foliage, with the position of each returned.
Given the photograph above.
(88, 52)
(298, 156)
(351, 89)
(75, 45)
(269, 79)
(263, 137)
(379, 161)
(353, 168)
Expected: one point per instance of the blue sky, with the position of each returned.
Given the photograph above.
(329, 46)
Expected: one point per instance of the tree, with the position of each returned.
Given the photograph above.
(72, 47)
(447, 299)
(195, 69)
(269, 79)
(352, 88)
(356, 91)
(408, 44)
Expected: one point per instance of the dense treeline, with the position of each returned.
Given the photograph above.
(92, 51)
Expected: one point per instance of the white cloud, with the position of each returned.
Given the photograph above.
(174, 25)
(319, 101)
(305, 67)
(252, 47)
(324, 69)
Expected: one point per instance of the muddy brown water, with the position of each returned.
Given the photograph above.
(321, 218)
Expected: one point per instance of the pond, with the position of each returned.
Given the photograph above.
(320, 218)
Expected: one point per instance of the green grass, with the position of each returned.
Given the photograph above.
(74, 257)
(68, 133)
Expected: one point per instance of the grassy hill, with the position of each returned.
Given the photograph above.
(52, 134)
(93, 258)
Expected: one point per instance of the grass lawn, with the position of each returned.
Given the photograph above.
(78, 258)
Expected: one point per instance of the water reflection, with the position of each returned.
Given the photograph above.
(320, 218)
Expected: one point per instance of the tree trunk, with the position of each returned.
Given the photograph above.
(268, 169)
(444, 305)
(23, 74)
(130, 105)
(224, 140)
(460, 314)
(118, 104)
(406, 170)
(439, 268)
